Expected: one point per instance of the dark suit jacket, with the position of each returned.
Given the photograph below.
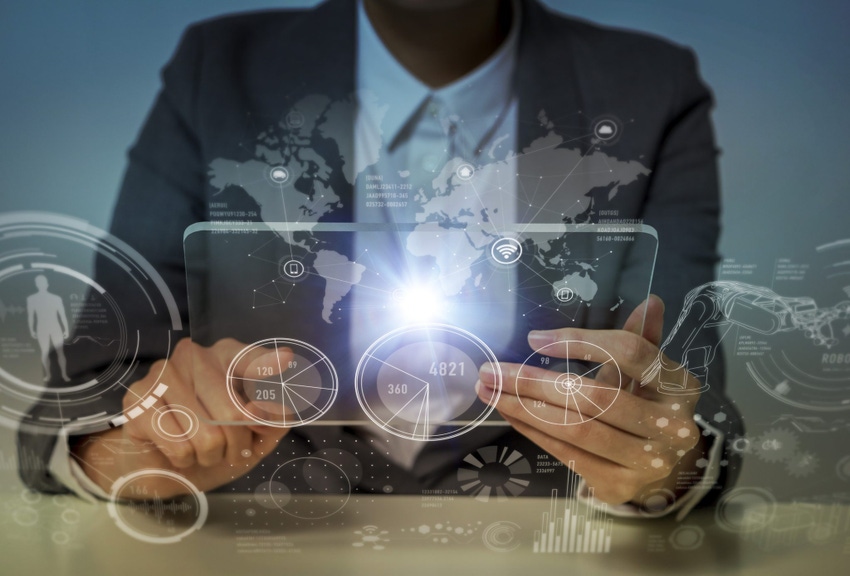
(231, 76)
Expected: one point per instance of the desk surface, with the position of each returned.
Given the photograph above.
(410, 536)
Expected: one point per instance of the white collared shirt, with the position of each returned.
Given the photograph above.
(409, 131)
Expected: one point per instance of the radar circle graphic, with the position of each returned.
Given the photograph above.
(501, 536)
(72, 339)
(547, 383)
(154, 519)
(419, 382)
(282, 393)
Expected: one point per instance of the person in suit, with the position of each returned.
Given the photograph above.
(470, 78)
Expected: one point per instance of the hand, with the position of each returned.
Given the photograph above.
(626, 446)
(214, 455)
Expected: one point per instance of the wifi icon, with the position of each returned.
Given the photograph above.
(506, 251)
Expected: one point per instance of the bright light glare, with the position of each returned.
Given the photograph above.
(419, 303)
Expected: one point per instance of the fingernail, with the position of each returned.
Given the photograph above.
(487, 375)
(540, 338)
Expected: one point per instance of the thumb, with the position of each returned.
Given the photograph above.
(647, 320)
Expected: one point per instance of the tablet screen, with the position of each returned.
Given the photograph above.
(390, 324)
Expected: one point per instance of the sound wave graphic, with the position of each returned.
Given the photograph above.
(159, 508)
(9, 311)
(26, 460)
(102, 342)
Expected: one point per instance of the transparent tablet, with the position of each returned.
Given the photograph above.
(347, 324)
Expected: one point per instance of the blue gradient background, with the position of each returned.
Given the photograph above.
(79, 77)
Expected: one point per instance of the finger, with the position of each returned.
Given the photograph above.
(593, 436)
(208, 445)
(609, 480)
(656, 424)
(538, 391)
(210, 378)
(272, 393)
(258, 382)
(144, 426)
(629, 353)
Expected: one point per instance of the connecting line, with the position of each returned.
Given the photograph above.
(406, 404)
(286, 393)
(263, 245)
(561, 183)
(89, 465)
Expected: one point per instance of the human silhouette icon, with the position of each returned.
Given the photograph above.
(48, 324)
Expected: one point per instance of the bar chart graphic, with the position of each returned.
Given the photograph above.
(573, 527)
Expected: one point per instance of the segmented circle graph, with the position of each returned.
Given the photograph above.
(419, 382)
(282, 393)
(555, 377)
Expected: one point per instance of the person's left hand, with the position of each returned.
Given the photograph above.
(623, 447)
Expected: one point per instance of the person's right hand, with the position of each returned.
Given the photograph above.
(214, 455)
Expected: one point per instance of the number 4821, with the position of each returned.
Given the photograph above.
(447, 368)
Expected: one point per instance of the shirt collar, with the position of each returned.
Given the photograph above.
(478, 99)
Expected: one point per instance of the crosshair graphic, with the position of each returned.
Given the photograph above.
(282, 394)
(567, 384)
(419, 382)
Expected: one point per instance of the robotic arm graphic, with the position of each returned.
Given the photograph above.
(726, 305)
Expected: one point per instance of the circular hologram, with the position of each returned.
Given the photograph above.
(291, 269)
(569, 384)
(70, 337)
(501, 536)
(278, 175)
(419, 382)
(606, 130)
(465, 172)
(70, 516)
(497, 471)
(175, 423)
(687, 537)
(294, 119)
(25, 516)
(656, 502)
(506, 251)
(745, 510)
(309, 488)
(283, 394)
(141, 513)
(564, 295)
